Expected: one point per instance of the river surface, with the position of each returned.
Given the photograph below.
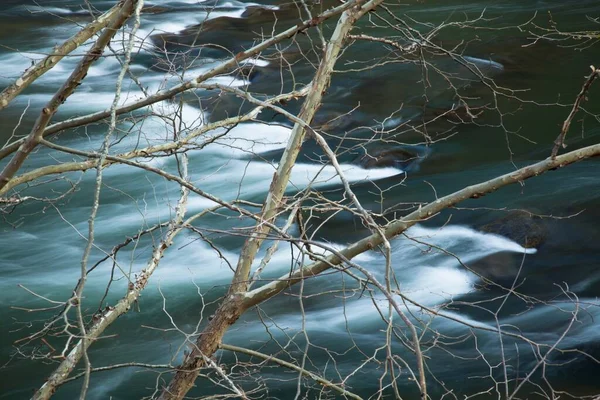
(41, 244)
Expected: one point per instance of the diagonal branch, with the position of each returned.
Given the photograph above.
(397, 227)
(184, 143)
(36, 134)
(220, 69)
(289, 365)
(229, 310)
(560, 140)
(58, 53)
(104, 320)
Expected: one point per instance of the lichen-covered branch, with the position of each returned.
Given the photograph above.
(110, 314)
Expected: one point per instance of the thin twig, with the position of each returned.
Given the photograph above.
(289, 365)
(560, 140)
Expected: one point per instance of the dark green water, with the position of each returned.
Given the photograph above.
(42, 249)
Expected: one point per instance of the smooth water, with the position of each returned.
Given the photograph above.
(342, 326)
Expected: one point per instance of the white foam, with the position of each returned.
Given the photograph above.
(256, 61)
(252, 178)
(486, 242)
(14, 64)
(436, 284)
(484, 64)
(425, 277)
(47, 10)
(250, 139)
(195, 259)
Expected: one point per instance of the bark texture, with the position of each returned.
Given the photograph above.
(232, 306)
(57, 54)
(103, 320)
(36, 134)
(231, 64)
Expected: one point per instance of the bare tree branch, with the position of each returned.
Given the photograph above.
(289, 365)
(229, 311)
(57, 54)
(560, 140)
(396, 227)
(36, 134)
(222, 68)
(110, 314)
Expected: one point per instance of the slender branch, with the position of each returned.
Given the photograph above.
(96, 202)
(545, 357)
(289, 365)
(410, 48)
(398, 226)
(122, 365)
(57, 54)
(229, 310)
(36, 134)
(144, 152)
(222, 68)
(560, 140)
(105, 319)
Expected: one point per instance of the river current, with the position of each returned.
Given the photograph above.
(558, 277)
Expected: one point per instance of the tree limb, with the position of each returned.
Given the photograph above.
(57, 54)
(560, 140)
(110, 314)
(397, 227)
(222, 68)
(36, 134)
(231, 308)
(289, 365)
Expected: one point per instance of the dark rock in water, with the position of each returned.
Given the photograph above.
(154, 9)
(252, 17)
(249, 72)
(229, 34)
(257, 14)
(520, 226)
(398, 157)
(498, 267)
(286, 57)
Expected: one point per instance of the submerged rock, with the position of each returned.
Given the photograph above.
(257, 14)
(522, 227)
(498, 267)
(231, 33)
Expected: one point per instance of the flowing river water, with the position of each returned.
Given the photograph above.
(41, 245)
